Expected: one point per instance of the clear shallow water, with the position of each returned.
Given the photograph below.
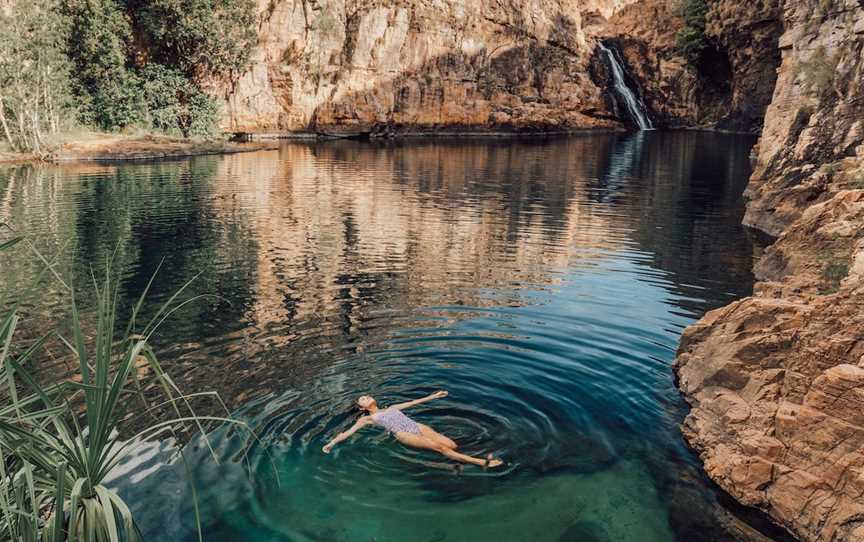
(543, 283)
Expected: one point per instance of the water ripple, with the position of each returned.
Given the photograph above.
(543, 283)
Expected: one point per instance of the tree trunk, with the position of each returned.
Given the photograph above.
(5, 124)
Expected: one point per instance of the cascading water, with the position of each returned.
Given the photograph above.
(635, 107)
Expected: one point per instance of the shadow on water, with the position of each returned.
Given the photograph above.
(543, 282)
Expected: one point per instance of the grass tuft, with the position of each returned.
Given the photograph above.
(833, 274)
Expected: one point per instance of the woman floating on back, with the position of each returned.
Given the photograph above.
(407, 431)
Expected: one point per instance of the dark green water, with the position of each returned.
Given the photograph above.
(543, 283)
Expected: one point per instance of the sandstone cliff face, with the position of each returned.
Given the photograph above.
(369, 66)
(776, 381)
(361, 66)
(744, 51)
(817, 115)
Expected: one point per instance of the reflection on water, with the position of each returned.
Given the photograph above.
(544, 283)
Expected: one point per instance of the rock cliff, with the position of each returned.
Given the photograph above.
(776, 381)
(367, 66)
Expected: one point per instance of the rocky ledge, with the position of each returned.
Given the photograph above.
(776, 380)
(112, 147)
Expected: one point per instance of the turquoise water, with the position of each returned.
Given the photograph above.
(543, 283)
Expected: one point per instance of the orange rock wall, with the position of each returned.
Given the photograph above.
(776, 381)
(368, 66)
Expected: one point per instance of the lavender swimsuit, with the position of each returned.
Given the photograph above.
(395, 421)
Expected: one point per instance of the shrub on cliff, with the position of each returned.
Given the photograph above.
(818, 74)
(691, 39)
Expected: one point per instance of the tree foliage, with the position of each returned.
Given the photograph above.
(34, 74)
(99, 38)
(174, 103)
(691, 39)
(124, 63)
(202, 38)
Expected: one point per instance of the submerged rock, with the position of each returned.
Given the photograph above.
(575, 453)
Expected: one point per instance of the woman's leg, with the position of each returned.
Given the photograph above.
(431, 434)
(425, 443)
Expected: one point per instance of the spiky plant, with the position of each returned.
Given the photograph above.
(59, 442)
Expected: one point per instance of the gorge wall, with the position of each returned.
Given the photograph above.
(360, 66)
(776, 381)
(732, 84)
(369, 66)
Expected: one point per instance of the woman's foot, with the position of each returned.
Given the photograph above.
(491, 462)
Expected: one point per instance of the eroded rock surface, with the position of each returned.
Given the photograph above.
(367, 66)
(776, 381)
(816, 117)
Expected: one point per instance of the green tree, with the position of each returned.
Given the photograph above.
(202, 38)
(691, 39)
(175, 104)
(99, 42)
(34, 74)
(126, 62)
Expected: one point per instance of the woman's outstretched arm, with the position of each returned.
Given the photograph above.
(415, 402)
(359, 424)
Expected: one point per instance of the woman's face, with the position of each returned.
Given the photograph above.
(366, 402)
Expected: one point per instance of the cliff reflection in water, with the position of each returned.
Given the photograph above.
(320, 250)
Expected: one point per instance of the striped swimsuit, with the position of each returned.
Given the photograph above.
(395, 421)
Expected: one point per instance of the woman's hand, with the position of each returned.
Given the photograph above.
(327, 447)
(415, 402)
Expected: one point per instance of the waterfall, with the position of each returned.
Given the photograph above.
(635, 107)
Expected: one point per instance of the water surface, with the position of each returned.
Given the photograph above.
(544, 283)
